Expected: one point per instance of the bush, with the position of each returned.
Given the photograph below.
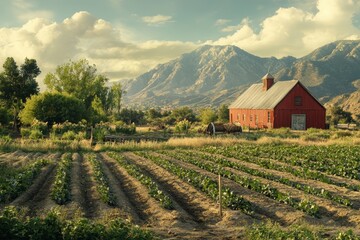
(35, 134)
(69, 135)
(121, 127)
(61, 128)
(41, 126)
(316, 136)
(183, 126)
(25, 132)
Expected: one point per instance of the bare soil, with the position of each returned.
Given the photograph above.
(195, 215)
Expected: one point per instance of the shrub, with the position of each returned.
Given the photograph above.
(41, 126)
(61, 128)
(183, 126)
(35, 134)
(316, 136)
(25, 132)
(69, 135)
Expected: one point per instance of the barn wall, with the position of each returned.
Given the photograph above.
(254, 118)
(315, 112)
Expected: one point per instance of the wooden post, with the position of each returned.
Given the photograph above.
(220, 197)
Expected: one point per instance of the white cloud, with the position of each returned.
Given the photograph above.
(245, 21)
(157, 19)
(296, 32)
(24, 11)
(85, 36)
(222, 21)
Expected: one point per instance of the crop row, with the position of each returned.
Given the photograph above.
(102, 185)
(303, 171)
(333, 159)
(303, 187)
(60, 192)
(203, 183)
(304, 205)
(152, 186)
(19, 180)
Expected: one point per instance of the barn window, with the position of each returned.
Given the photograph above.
(250, 117)
(269, 118)
(238, 117)
(244, 117)
(298, 101)
(256, 118)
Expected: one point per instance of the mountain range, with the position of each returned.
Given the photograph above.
(213, 75)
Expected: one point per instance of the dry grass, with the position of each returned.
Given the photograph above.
(45, 145)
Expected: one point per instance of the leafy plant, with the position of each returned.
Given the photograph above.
(152, 186)
(102, 186)
(60, 192)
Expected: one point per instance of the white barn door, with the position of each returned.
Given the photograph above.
(298, 121)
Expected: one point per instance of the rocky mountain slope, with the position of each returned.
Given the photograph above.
(212, 75)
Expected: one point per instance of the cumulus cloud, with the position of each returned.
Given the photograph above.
(85, 36)
(157, 19)
(296, 32)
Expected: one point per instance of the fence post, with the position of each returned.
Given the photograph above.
(220, 197)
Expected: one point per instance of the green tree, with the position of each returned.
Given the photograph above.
(53, 107)
(338, 115)
(131, 116)
(117, 93)
(182, 113)
(97, 111)
(223, 113)
(4, 117)
(18, 84)
(207, 115)
(79, 79)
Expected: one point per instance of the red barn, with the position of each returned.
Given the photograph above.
(277, 104)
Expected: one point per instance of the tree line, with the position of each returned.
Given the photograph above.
(77, 92)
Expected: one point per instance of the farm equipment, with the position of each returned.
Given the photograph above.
(214, 128)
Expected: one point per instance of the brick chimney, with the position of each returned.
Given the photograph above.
(268, 81)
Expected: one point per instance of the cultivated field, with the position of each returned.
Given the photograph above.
(173, 191)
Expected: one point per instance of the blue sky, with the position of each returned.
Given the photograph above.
(125, 38)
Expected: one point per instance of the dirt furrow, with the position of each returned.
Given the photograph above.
(264, 206)
(37, 197)
(334, 190)
(88, 198)
(189, 200)
(128, 209)
(330, 186)
(203, 222)
(146, 207)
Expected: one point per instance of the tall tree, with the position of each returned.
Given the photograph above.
(207, 115)
(223, 113)
(18, 84)
(79, 79)
(118, 92)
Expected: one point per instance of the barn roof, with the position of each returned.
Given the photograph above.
(255, 98)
